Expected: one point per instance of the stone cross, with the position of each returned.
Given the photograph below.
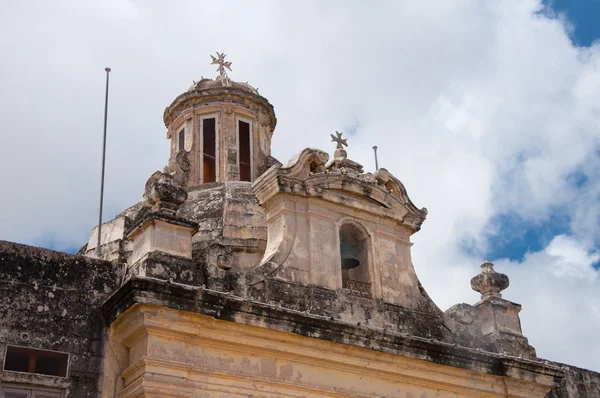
(341, 142)
(220, 60)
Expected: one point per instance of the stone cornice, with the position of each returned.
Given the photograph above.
(227, 307)
(203, 96)
(153, 217)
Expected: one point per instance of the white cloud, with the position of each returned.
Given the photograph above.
(558, 289)
(570, 259)
(480, 108)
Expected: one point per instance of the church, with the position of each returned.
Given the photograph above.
(240, 275)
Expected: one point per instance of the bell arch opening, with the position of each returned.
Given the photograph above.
(354, 254)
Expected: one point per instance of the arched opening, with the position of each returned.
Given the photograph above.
(181, 140)
(245, 150)
(209, 149)
(355, 260)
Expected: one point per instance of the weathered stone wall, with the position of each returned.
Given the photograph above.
(51, 300)
(576, 383)
(185, 341)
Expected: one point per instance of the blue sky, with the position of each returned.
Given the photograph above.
(583, 14)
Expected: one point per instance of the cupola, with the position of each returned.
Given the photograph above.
(223, 127)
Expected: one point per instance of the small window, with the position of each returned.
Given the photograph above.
(29, 360)
(181, 140)
(244, 151)
(209, 150)
(355, 260)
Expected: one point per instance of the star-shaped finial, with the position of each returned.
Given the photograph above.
(341, 142)
(220, 60)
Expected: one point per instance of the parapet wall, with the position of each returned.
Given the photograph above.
(51, 301)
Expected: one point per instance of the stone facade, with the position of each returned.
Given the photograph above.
(270, 280)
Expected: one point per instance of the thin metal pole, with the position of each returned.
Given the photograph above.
(376, 163)
(103, 163)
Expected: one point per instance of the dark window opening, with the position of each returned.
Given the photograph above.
(29, 360)
(209, 150)
(354, 256)
(17, 360)
(181, 140)
(244, 151)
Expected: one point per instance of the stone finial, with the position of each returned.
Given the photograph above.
(340, 152)
(340, 162)
(162, 194)
(160, 232)
(489, 283)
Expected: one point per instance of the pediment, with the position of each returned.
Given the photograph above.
(307, 174)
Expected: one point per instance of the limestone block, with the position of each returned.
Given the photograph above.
(112, 231)
(166, 347)
(159, 234)
(299, 257)
(324, 252)
(138, 349)
(498, 315)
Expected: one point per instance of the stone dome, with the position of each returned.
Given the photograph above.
(220, 82)
(221, 90)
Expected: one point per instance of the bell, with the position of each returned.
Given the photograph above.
(349, 263)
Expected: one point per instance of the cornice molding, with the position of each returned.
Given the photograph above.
(203, 97)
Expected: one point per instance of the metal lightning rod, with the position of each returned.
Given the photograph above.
(376, 163)
(103, 163)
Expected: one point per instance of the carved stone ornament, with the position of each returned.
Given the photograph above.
(180, 167)
(182, 161)
(162, 194)
(489, 283)
(311, 172)
(340, 162)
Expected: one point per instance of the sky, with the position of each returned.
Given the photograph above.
(488, 112)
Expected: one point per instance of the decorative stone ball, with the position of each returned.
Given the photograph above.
(340, 153)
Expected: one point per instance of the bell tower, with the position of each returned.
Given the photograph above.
(223, 127)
